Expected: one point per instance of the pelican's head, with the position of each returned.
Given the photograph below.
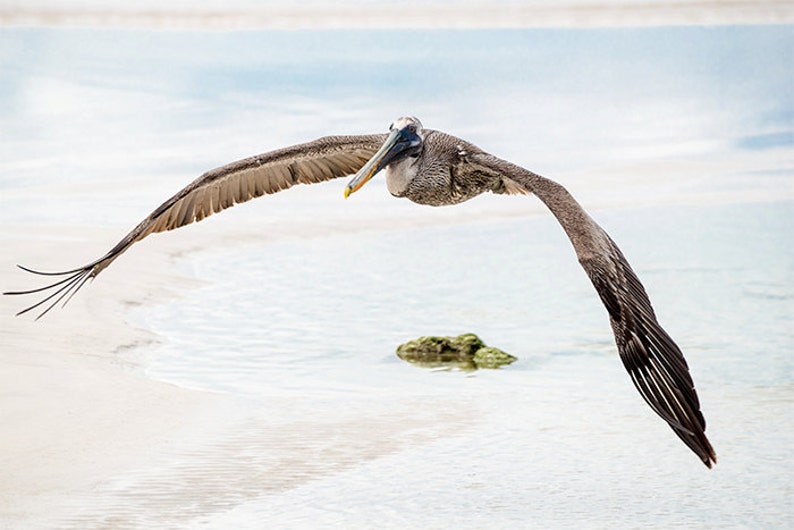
(405, 139)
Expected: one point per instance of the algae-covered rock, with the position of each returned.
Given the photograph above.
(490, 357)
(435, 350)
(465, 351)
(467, 344)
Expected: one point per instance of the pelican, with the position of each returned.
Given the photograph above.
(433, 168)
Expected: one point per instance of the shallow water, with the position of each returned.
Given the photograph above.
(679, 140)
(556, 437)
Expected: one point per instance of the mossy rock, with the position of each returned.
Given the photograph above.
(468, 344)
(465, 351)
(490, 357)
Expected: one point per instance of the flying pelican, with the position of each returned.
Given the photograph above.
(434, 168)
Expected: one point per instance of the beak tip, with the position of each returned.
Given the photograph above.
(347, 192)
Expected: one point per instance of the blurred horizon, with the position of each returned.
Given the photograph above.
(291, 14)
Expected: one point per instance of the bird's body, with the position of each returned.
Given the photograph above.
(449, 173)
(433, 168)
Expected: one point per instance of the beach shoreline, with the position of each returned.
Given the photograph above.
(98, 443)
(76, 407)
(81, 414)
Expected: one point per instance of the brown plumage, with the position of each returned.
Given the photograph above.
(434, 168)
(323, 159)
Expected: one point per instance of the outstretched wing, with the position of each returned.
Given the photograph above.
(655, 363)
(323, 159)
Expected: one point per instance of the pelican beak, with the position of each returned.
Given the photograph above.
(391, 147)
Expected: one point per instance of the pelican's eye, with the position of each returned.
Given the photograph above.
(412, 129)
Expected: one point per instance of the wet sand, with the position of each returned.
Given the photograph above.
(94, 440)
(76, 410)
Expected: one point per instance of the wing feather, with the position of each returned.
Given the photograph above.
(654, 361)
(221, 188)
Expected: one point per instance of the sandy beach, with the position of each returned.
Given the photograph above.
(75, 409)
(80, 414)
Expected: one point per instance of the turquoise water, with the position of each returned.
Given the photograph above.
(679, 140)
